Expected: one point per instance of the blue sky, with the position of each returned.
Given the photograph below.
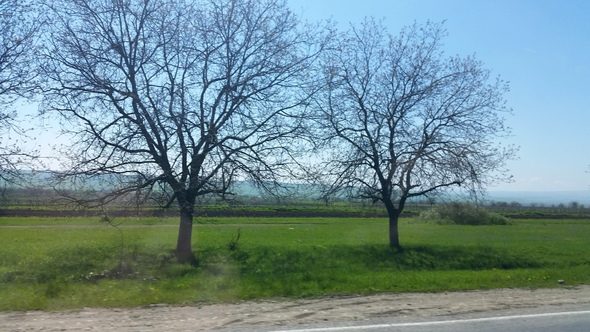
(541, 47)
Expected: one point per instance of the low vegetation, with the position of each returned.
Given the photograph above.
(463, 214)
(62, 263)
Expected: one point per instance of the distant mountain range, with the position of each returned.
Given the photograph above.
(245, 188)
(540, 197)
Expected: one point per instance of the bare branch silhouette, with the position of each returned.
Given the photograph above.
(190, 96)
(400, 120)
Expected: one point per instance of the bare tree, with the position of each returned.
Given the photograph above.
(185, 95)
(401, 120)
(18, 31)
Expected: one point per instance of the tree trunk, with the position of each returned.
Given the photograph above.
(184, 251)
(393, 214)
(393, 231)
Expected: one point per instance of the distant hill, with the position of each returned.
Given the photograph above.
(41, 179)
(540, 197)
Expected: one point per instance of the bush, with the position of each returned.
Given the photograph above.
(463, 214)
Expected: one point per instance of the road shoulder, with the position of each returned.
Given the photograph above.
(403, 306)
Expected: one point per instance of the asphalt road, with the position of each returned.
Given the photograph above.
(511, 321)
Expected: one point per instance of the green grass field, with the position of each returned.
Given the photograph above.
(60, 263)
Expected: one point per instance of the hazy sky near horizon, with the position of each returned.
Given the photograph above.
(542, 47)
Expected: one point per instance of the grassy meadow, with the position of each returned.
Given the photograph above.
(64, 263)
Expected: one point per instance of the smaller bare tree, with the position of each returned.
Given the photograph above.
(401, 120)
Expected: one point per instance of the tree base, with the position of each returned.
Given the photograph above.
(396, 247)
(186, 258)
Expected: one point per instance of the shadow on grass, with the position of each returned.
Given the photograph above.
(365, 258)
(92, 263)
(96, 263)
(259, 272)
(316, 271)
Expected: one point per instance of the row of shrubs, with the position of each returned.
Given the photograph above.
(462, 214)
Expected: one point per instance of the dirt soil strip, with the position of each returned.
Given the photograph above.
(282, 312)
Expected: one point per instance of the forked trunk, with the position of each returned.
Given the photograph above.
(184, 251)
(393, 231)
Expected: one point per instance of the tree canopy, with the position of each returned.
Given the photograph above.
(188, 95)
(400, 119)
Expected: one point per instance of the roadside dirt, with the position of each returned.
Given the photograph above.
(282, 312)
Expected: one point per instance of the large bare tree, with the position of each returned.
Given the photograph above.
(188, 95)
(401, 120)
(18, 32)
